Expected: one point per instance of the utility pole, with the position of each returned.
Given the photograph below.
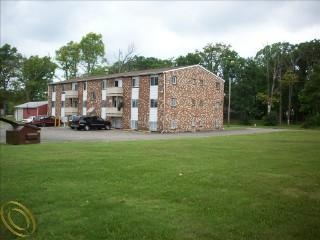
(229, 101)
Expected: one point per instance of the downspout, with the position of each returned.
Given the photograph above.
(164, 101)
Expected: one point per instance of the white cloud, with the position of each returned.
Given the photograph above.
(160, 29)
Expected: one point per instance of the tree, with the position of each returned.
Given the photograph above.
(275, 59)
(289, 79)
(92, 51)
(310, 95)
(245, 100)
(141, 63)
(189, 59)
(37, 73)
(68, 58)
(10, 62)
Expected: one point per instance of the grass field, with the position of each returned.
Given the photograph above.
(263, 186)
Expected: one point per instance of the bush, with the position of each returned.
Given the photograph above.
(312, 121)
(245, 120)
(271, 119)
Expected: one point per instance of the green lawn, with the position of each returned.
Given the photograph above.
(264, 186)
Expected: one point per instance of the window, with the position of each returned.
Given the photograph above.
(173, 80)
(63, 104)
(134, 124)
(153, 126)
(193, 122)
(74, 86)
(118, 83)
(194, 81)
(53, 104)
(53, 87)
(173, 102)
(201, 82)
(217, 105)
(84, 86)
(154, 81)
(174, 124)
(135, 82)
(104, 103)
(217, 86)
(92, 96)
(193, 102)
(154, 103)
(84, 104)
(134, 103)
(63, 87)
(104, 84)
(74, 102)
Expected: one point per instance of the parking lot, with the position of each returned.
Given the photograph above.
(62, 134)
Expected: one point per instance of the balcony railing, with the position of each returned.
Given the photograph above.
(71, 94)
(71, 110)
(114, 112)
(115, 91)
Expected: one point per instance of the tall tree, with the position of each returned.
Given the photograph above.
(189, 59)
(68, 58)
(310, 95)
(275, 60)
(10, 62)
(92, 51)
(37, 73)
(141, 63)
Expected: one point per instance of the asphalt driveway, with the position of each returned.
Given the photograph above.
(62, 134)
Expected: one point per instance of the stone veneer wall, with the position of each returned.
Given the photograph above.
(58, 100)
(49, 100)
(144, 103)
(127, 89)
(161, 102)
(80, 97)
(94, 86)
(194, 85)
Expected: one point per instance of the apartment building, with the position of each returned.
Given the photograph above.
(173, 99)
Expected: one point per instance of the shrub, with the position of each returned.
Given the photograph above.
(271, 119)
(312, 121)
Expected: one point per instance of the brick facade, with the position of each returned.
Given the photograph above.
(188, 99)
(126, 103)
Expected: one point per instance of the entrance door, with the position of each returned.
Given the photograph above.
(116, 122)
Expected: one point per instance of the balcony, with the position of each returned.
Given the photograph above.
(114, 112)
(71, 110)
(115, 91)
(71, 94)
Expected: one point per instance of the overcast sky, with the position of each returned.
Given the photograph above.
(162, 29)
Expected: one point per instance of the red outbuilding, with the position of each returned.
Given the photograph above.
(29, 109)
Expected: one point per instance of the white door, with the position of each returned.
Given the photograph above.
(19, 114)
(117, 122)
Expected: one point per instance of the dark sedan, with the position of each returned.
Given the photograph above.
(90, 122)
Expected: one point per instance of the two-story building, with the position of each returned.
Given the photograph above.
(169, 99)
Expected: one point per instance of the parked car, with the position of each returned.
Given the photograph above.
(73, 121)
(90, 122)
(44, 121)
(28, 120)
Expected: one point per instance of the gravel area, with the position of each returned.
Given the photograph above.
(62, 134)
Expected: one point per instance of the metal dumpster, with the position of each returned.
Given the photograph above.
(21, 133)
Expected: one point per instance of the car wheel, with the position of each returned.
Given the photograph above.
(86, 127)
